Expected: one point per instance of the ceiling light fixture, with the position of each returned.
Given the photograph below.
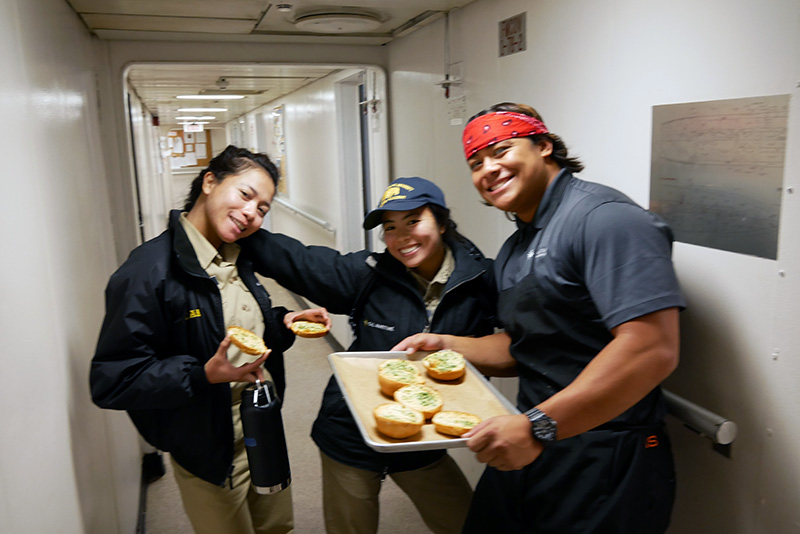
(210, 97)
(337, 22)
(194, 110)
(209, 118)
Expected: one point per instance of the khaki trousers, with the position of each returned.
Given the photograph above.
(440, 492)
(239, 510)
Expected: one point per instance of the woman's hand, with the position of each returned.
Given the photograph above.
(219, 369)
(504, 442)
(314, 315)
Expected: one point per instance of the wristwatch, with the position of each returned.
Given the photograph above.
(543, 429)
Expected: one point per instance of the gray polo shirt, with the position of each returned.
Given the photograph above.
(590, 260)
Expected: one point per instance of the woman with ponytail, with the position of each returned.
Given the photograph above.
(164, 356)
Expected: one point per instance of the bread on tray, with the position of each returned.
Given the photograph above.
(246, 340)
(445, 365)
(420, 397)
(455, 423)
(397, 421)
(309, 329)
(395, 373)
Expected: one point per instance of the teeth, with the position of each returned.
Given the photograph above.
(408, 249)
(497, 186)
(238, 224)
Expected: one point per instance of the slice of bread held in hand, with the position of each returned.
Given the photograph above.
(420, 397)
(455, 423)
(445, 365)
(309, 329)
(394, 374)
(397, 421)
(246, 340)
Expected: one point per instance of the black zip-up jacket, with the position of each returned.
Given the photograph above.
(385, 305)
(163, 322)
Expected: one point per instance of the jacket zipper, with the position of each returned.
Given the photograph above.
(428, 323)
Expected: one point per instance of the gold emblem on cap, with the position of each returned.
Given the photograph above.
(393, 192)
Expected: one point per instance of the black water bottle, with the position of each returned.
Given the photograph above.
(264, 438)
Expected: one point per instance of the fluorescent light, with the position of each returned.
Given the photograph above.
(193, 122)
(194, 110)
(210, 97)
(209, 118)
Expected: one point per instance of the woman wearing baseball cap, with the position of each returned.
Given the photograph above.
(429, 279)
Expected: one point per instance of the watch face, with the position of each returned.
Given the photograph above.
(543, 428)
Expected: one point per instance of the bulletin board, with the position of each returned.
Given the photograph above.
(189, 149)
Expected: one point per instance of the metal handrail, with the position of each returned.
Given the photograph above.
(720, 430)
(316, 220)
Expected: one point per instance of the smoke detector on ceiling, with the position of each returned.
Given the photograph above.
(340, 22)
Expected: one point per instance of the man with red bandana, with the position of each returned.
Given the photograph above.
(589, 304)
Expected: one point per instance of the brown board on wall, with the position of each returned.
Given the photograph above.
(193, 147)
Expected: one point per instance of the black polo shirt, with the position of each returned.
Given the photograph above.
(590, 260)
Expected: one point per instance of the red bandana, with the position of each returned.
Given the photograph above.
(498, 126)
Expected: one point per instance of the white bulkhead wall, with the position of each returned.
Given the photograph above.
(65, 466)
(594, 71)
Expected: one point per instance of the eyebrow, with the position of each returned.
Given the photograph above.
(255, 193)
(412, 213)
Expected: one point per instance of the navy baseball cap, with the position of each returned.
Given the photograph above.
(405, 194)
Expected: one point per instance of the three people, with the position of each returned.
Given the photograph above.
(589, 304)
(163, 354)
(429, 279)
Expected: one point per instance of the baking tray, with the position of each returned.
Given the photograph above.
(357, 375)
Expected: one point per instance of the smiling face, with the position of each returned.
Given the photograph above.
(233, 208)
(415, 239)
(512, 175)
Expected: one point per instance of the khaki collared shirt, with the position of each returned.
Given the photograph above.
(239, 306)
(432, 291)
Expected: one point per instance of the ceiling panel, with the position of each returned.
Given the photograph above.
(258, 20)
(238, 9)
(169, 24)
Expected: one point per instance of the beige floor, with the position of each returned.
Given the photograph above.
(307, 373)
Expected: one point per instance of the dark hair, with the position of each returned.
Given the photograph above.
(442, 216)
(232, 160)
(560, 154)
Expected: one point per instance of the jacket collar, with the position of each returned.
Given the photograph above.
(182, 247)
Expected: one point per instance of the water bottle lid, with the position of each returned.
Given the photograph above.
(259, 387)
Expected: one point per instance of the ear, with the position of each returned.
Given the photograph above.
(209, 182)
(546, 147)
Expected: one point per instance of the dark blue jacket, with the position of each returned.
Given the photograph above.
(163, 322)
(385, 305)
